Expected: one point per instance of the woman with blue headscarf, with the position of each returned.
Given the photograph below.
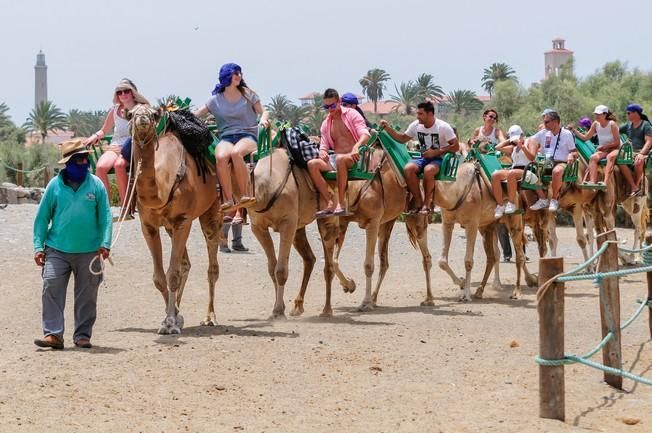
(235, 108)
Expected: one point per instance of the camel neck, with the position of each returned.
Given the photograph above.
(146, 185)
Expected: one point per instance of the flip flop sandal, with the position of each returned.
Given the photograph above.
(424, 211)
(339, 212)
(324, 213)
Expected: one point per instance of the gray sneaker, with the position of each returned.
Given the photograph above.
(554, 205)
(225, 249)
(540, 204)
(240, 248)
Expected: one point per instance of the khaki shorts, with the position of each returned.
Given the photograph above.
(530, 177)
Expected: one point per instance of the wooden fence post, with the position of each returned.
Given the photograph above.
(46, 176)
(648, 241)
(610, 308)
(552, 400)
(19, 174)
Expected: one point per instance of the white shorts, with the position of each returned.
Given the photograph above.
(332, 158)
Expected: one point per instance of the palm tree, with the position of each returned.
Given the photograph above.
(85, 123)
(45, 117)
(464, 101)
(373, 85)
(497, 72)
(426, 87)
(407, 96)
(279, 107)
(5, 120)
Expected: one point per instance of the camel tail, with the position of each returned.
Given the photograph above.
(412, 235)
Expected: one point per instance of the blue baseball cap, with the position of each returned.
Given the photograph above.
(350, 98)
(634, 108)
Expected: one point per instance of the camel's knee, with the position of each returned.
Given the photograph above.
(281, 274)
(468, 265)
(369, 269)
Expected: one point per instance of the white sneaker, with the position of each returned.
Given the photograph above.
(542, 203)
(500, 210)
(437, 209)
(510, 208)
(554, 205)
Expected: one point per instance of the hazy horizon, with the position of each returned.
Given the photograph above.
(292, 47)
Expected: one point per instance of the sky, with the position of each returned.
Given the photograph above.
(295, 47)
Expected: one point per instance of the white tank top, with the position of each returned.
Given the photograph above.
(519, 159)
(491, 136)
(120, 129)
(605, 136)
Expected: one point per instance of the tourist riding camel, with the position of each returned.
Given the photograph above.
(436, 138)
(343, 131)
(235, 107)
(639, 131)
(125, 97)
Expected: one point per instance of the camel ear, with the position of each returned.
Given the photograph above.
(129, 114)
(158, 113)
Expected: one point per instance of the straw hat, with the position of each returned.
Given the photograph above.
(70, 148)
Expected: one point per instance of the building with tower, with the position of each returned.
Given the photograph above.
(556, 57)
(40, 79)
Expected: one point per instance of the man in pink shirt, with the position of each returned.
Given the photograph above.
(343, 131)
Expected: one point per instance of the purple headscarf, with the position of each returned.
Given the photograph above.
(584, 122)
(226, 73)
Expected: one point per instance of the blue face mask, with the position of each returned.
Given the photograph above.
(76, 172)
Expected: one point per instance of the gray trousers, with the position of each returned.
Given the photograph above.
(56, 274)
(237, 234)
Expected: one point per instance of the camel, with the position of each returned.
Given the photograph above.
(285, 203)
(469, 202)
(171, 194)
(374, 205)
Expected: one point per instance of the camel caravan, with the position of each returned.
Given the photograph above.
(184, 169)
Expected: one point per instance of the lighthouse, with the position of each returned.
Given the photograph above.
(40, 79)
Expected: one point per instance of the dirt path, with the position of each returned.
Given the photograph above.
(451, 368)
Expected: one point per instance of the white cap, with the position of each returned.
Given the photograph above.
(514, 132)
(601, 109)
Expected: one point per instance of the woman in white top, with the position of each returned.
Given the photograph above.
(521, 156)
(488, 133)
(606, 128)
(125, 97)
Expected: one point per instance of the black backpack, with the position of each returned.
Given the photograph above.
(299, 145)
(194, 135)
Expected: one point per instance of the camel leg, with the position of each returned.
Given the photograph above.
(590, 235)
(302, 246)
(287, 231)
(471, 235)
(447, 232)
(384, 234)
(185, 271)
(211, 226)
(328, 231)
(553, 240)
(496, 285)
(580, 236)
(372, 239)
(348, 285)
(265, 240)
(518, 237)
(153, 239)
(490, 244)
(173, 322)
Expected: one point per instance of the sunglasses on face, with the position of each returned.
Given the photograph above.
(545, 122)
(123, 92)
(491, 117)
(330, 106)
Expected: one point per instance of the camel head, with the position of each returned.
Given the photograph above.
(143, 120)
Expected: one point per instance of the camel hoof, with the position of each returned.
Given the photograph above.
(278, 316)
(428, 303)
(163, 330)
(296, 311)
(180, 321)
(365, 307)
(478, 294)
(326, 313)
(497, 285)
(349, 287)
(462, 282)
(465, 298)
(175, 330)
(515, 296)
(208, 322)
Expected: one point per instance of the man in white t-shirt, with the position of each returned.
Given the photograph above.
(436, 137)
(558, 145)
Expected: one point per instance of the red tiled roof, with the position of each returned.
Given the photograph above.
(309, 97)
(384, 107)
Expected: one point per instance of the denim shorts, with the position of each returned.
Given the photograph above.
(234, 138)
(422, 162)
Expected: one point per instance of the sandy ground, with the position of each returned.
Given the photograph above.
(451, 368)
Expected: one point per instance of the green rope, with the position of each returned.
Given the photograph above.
(600, 275)
(643, 249)
(584, 359)
(23, 171)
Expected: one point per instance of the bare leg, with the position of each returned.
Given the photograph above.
(222, 158)
(242, 148)
(412, 180)
(315, 169)
(429, 173)
(344, 163)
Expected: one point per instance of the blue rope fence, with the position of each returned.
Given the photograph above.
(598, 277)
